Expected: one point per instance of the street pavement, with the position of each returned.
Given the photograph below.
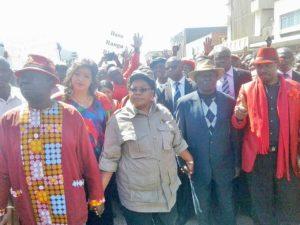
(241, 220)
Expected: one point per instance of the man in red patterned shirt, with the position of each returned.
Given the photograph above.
(46, 156)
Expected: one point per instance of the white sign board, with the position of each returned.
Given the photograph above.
(115, 42)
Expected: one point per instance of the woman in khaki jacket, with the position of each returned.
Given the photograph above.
(141, 143)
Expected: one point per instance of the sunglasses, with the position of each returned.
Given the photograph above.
(140, 90)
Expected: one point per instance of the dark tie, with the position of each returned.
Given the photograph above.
(285, 75)
(225, 86)
(177, 94)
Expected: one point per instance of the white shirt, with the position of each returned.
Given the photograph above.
(181, 87)
(230, 79)
(161, 86)
(15, 99)
(289, 73)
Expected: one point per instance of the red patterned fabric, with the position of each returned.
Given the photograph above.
(78, 164)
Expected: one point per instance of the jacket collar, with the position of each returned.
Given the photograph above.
(132, 111)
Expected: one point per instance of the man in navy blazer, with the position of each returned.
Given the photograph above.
(177, 81)
(204, 119)
(177, 86)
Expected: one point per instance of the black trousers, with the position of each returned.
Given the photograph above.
(107, 218)
(137, 218)
(224, 202)
(274, 201)
(241, 193)
(184, 201)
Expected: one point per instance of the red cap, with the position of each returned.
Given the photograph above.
(189, 62)
(266, 56)
(39, 64)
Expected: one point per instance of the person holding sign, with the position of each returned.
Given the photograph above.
(115, 73)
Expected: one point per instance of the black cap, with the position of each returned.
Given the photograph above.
(156, 61)
(141, 75)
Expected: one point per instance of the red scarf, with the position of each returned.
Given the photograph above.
(259, 123)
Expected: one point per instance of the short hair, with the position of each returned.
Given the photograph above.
(106, 84)
(61, 68)
(286, 51)
(174, 58)
(222, 50)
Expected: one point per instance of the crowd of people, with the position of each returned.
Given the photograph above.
(205, 138)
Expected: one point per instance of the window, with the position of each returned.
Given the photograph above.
(290, 19)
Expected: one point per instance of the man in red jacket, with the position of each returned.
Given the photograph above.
(46, 156)
(269, 110)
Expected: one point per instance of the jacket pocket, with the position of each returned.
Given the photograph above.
(167, 136)
(144, 196)
(138, 147)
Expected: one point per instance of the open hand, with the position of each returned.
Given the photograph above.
(137, 41)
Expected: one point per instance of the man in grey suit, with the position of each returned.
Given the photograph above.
(230, 83)
(233, 78)
(204, 119)
(286, 63)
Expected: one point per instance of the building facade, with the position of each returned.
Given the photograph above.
(251, 22)
(196, 47)
(189, 35)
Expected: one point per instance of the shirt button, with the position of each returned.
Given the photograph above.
(271, 121)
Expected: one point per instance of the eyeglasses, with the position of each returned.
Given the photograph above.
(140, 90)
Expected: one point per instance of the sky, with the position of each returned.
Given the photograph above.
(84, 25)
